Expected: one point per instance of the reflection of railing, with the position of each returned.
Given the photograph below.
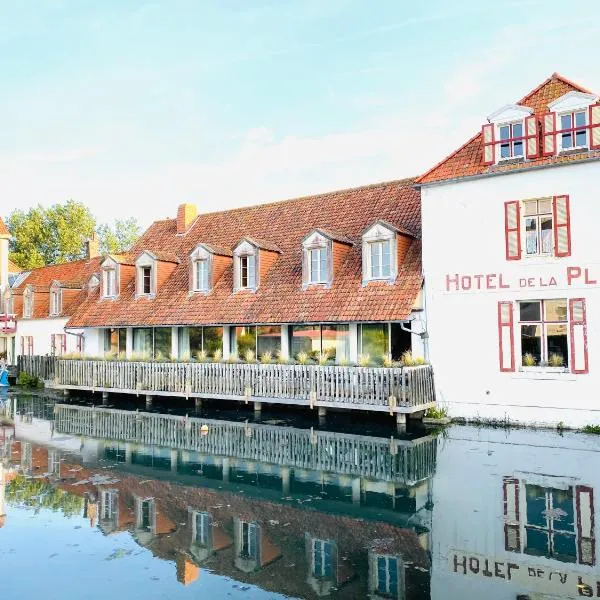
(39, 366)
(377, 458)
(406, 389)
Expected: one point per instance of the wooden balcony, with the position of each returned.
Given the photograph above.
(398, 391)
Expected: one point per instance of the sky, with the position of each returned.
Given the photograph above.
(135, 107)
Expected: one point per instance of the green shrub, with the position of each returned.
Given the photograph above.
(436, 412)
(595, 429)
(29, 381)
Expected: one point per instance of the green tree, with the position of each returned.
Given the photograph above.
(43, 236)
(118, 236)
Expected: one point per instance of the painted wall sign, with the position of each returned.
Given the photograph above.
(558, 581)
(570, 277)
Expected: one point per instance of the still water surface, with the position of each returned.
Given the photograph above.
(123, 501)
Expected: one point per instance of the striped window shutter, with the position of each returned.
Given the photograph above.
(586, 542)
(512, 525)
(532, 137)
(579, 349)
(30, 345)
(549, 134)
(506, 337)
(595, 126)
(562, 226)
(53, 344)
(512, 230)
(489, 154)
(63, 343)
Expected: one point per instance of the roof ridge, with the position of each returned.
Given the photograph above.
(554, 75)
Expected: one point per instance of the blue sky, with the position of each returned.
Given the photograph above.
(133, 107)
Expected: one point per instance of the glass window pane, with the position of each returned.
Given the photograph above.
(563, 501)
(245, 338)
(268, 339)
(213, 340)
(564, 547)
(518, 149)
(565, 122)
(375, 258)
(531, 235)
(162, 342)
(567, 140)
(581, 138)
(336, 341)
(517, 130)
(504, 132)
(531, 342)
(374, 340)
(183, 343)
(385, 259)
(530, 207)
(505, 150)
(305, 338)
(546, 234)
(555, 310)
(530, 311)
(142, 342)
(545, 206)
(122, 340)
(195, 341)
(323, 264)
(580, 119)
(558, 346)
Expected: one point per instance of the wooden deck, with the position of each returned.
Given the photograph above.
(395, 390)
(392, 460)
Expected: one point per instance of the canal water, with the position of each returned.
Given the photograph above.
(167, 502)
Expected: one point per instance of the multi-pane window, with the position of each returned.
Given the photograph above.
(511, 140)
(58, 344)
(108, 505)
(322, 558)
(145, 517)
(249, 540)
(201, 528)
(538, 221)
(550, 526)
(387, 576)
(27, 304)
(201, 275)
(146, 280)
(544, 333)
(380, 259)
(27, 345)
(574, 130)
(55, 302)
(318, 265)
(115, 341)
(247, 271)
(110, 283)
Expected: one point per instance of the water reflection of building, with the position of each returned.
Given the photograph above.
(256, 536)
(518, 518)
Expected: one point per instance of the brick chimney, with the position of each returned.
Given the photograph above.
(186, 214)
(92, 246)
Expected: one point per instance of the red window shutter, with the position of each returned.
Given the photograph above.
(562, 226)
(549, 134)
(506, 337)
(579, 349)
(532, 137)
(487, 134)
(586, 543)
(595, 126)
(30, 345)
(512, 230)
(512, 526)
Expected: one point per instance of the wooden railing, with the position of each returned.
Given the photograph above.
(378, 458)
(43, 367)
(368, 388)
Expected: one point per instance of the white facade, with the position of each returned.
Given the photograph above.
(467, 275)
(489, 509)
(42, 330)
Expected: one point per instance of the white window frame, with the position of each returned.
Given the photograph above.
(389, 560)
(250, 268)
(55, 301)
(511, 140)
(109, 282)
(574, 129)
(379, 244)
(145, 277)
(318, 276)
(201, 274)
(544, 354)
(27, 303)
(538, 218)
(379, 232)
(318, 545)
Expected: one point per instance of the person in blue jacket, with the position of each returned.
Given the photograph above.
(3, 373)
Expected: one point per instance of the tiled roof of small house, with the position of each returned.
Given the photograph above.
(164, 256)
(280, 297)
(70, 275)
(13, 268)
(467, 161)
(3, 228)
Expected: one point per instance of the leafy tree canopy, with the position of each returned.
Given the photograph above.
(45, 236)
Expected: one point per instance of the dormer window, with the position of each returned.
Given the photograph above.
(322, 249)
(380, 252)
(55, 302)
(511, 140)
(207, 264)
(201, 275)
(318, 265)
(27, 304)
(110, 282)
(247, 272)
(573, 130)
(382, 243)
(146, 273)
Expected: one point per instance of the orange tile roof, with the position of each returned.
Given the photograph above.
(280, 297)
(467, 161)
(13, 268)
(3, 228)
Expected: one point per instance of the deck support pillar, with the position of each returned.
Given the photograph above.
(104, 397)
(356, 491)
(225, 465)
(149, 400)
(417, 416)
(173, 460)
(257, 407)
(322, 412)
(198, 403)
(66, 392)
(401, 422)
(128, 453)
(285, 480)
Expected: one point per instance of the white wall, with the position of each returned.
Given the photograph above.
(42, 331)
(468, 513)
(463, 232)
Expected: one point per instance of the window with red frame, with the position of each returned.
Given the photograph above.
(511, 140)
(573, 130)
(58, 344)
(27, 345)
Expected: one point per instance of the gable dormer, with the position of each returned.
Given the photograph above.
(151, 270)
(572, 123)
(252, 260)
(323, 253)
(28, 300)
(511, 134)
(111, 276)
(384, 248)
(207, 264)
(8, 303)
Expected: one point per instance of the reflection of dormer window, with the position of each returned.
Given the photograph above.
(201, 528)
(322, 558)
(249, 540)
(145, 517)
(108, 505)
(387, 576)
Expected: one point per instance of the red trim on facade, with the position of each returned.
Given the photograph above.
(546, 134)
(508, 230)
(566, 225)
(516, 527)
(535, 135)
(486, 145)
(502, 325)
(573, 323)
(580, 534)
(593, 126)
